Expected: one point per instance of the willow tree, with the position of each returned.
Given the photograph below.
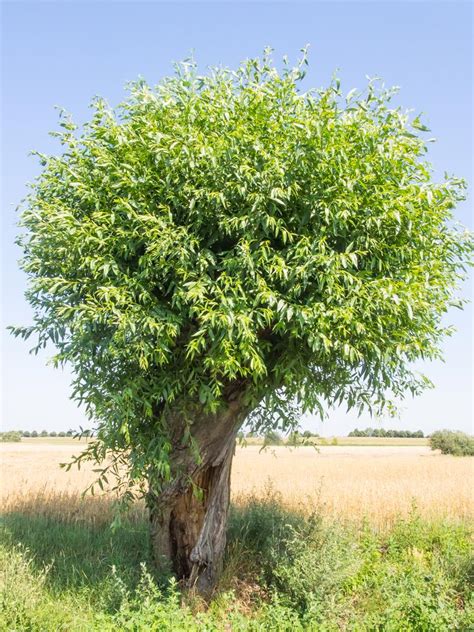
(226, 248)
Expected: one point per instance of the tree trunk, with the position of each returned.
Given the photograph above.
(188, 517)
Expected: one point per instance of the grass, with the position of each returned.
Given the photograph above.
(372, 441)
(326, 441)
(344, 482)
(344, 539)
(353, 441)
(54, 440)
(63, 569)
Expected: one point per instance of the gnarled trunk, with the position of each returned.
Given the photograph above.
(188, 517)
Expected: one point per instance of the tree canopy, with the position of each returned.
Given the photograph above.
(232, 229)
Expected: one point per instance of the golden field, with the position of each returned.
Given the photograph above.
(378, 483)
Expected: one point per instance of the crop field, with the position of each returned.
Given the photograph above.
(380, 483)
(346, 537)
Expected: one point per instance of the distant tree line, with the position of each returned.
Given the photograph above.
(16, 435)
(381, 432)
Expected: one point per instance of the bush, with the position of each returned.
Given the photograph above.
(44, 433)
(61, 434)
(452, 442)
(26, 433)
(10, 436)
(272, 438)
(53, 434)
(307, 434)
(295, 438)
(34, 433)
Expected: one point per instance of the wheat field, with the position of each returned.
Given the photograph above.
(379, 483)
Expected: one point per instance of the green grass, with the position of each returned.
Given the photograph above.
(283, 572)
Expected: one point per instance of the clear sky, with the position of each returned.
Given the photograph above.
(64, 53)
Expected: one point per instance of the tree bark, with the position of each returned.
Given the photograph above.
(188, 516)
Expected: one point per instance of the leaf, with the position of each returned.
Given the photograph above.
(416, 123)
(351, 94)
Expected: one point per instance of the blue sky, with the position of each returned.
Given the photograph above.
(64, 53)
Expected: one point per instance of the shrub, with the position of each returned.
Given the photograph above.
(10, 436)
(26, 433)
(272, 438)
(44, 433)
(295, 438)
(307, 434)
(53, 434)
(61, 434)
(34, 433)
(452, 442)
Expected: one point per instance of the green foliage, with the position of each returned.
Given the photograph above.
(231, 229)
(452, 442)
(301, 574)
(308, 434)
(10, 436)
(272, 437)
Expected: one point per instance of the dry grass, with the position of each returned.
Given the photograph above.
(351, 441)
(377, 483)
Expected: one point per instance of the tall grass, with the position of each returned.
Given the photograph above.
(62, 568)
(346, 483)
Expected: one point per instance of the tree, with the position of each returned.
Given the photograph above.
(452, 442)
(224, 248)
(272, 437)
(43, 433)
(34, 433)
